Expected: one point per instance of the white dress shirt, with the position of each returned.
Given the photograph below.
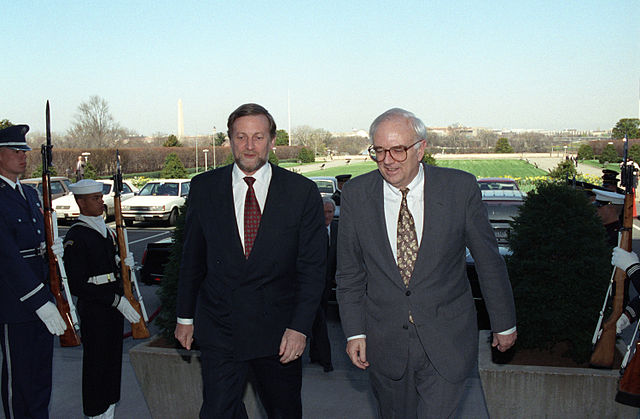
(240, 188)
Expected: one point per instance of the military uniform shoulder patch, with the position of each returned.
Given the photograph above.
(68, 243)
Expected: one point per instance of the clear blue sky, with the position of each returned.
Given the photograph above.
(500, 64)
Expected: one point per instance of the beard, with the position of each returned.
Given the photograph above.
(250, 166)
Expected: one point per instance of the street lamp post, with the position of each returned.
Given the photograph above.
(196, 154)
(205, 151)
(214, 148)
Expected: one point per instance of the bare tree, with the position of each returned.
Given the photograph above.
(94, 126)
(315, 139)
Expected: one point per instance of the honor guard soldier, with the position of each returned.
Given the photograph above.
(94, 277)
(342, 179)
(28, 317)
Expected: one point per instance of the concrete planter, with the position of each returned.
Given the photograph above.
(172, 385)
(520, 391)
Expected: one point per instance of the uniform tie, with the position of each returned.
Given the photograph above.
(407, 240)
(251, 217)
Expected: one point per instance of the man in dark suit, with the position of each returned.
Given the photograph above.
(320, 346)
(28, 317)
(405, 302)
(252, 273)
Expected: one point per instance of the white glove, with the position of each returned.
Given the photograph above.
(623, 259)
(622, 323)
(57, 248)
(51, 318)
(129, 260)
(127, 310)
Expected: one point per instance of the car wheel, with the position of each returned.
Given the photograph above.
(173, 217)
(128, 223)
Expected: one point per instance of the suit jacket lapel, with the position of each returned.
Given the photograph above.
(431, 207)
(14, 195)
(227, 215)
(376, 195)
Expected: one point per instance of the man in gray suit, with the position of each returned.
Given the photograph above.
(405, 302)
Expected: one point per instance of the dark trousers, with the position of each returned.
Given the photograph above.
(224, 380)
(320, 347)
(423, 393)
(101, 329)
(27, 353)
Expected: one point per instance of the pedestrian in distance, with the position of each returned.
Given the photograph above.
(28, 316)
(92, 266)
(405, 301)
(252, 273)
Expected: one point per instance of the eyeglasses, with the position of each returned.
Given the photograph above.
(398, 152)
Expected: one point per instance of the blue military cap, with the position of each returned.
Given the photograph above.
(14, 137)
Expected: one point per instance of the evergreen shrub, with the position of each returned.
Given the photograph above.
(559, 269)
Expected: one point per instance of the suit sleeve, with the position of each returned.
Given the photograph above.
(194, 254)
(310, 263)
(351, 277)
(490, 265)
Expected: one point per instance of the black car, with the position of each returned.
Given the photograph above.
(155, 256)
(502, 207)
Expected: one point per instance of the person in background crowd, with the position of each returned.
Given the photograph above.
(320, 346)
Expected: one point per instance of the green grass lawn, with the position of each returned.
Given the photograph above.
(596, 163)
(480, 168)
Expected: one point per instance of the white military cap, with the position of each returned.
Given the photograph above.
(85, 187)
(608, 196)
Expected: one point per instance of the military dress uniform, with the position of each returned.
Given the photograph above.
(27, 344)
(93, 274)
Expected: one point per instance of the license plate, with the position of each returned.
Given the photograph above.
(139, 218)
(502, 234)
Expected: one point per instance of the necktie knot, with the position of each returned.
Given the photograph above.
(250, 180)
(404, 192)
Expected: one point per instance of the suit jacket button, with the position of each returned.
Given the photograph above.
(405, 327)
(408, 293)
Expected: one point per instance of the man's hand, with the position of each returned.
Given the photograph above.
(291, 346)
(184, 334)
(357, 351)
(504, 342)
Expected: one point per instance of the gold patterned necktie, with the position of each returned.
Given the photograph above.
(407, 240)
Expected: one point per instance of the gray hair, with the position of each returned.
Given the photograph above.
(328, 200)
(417, 125)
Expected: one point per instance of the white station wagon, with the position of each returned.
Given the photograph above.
(158, 200)
(67, 209)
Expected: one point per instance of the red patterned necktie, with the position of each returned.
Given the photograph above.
(251, 217)
(407, 240)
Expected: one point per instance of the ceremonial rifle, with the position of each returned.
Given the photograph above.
(138, 330)
(57, 273)
(603, 353)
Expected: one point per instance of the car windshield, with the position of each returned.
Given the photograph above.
(106, 188)
(503, 186)
(325, 186)
(160, 188)
(502, 211)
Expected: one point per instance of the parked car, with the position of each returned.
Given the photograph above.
(502, 207)
(59, 185)
(154, 258)
(498, 183)
(158, 200)
(67, 209)
(327, 185)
